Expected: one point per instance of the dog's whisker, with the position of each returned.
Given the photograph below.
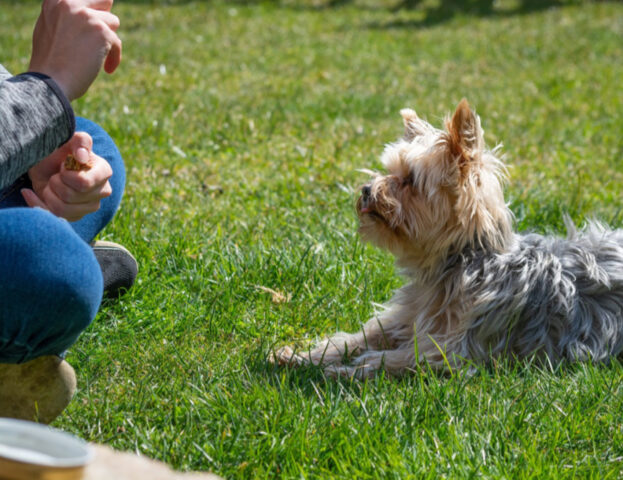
(369, 172)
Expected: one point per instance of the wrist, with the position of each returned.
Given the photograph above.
(54, 75)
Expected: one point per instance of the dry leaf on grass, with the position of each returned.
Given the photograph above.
(277, 296)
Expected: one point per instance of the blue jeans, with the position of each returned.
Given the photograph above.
(50, 282)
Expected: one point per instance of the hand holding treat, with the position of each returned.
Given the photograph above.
(71, 163)
(70, 182)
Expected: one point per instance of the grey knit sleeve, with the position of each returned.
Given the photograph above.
(4, 73)
(35, 119)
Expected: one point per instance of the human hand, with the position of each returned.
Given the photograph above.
(66, 193)
(72, 40)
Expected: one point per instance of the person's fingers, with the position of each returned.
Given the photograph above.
(79, 145)
(105, 191)
(68, 211)
(82, 155)
(71, 196)
(109, 19)
(75, 212)
(114, 56)
(53, 203)
(78, 141)
(99, 4)
(31, 199)
(84, 182)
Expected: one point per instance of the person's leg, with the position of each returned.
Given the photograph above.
(51, 285)
(50, 291)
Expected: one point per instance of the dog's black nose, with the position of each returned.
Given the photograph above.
(366, 190)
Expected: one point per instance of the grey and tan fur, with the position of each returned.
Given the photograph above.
(476, 290)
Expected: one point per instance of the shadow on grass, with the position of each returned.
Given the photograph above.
(446, 10)
(440, 12)
(311, 381)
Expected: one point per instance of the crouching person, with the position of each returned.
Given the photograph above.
(52, 274)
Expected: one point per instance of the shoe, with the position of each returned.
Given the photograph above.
(37, 390)
(119, 267)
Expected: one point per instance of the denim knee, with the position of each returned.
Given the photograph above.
(50, 285)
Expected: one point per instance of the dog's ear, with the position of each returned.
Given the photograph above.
(465, 137)
(412, 124)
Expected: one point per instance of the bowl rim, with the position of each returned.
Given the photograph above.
(45, 434)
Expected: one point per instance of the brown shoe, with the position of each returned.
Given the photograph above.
(37, 390)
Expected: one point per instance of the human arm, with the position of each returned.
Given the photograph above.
(35, 119)
(72, 40)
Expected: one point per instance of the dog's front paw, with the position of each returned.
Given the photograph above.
(359, 372)
(286, 356)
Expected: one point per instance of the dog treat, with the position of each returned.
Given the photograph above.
(72, 164)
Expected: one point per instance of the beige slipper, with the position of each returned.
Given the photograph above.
(37, 390)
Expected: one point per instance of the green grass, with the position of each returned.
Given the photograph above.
(243, 125)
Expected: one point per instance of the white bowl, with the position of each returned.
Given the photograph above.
(35, 444)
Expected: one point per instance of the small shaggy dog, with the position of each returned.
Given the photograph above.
(476, 290)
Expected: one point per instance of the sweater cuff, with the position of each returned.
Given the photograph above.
(69, 111)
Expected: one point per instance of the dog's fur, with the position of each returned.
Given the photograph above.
(476, 290)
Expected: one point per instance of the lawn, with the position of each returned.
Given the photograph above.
(243, 126)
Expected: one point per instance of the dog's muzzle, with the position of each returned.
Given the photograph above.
(365, 199)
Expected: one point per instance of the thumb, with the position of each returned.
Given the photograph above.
(32, 200)
(80, 140)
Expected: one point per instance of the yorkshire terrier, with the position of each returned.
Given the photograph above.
(476, 291)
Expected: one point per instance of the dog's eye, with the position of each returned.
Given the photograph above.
(396, 181)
